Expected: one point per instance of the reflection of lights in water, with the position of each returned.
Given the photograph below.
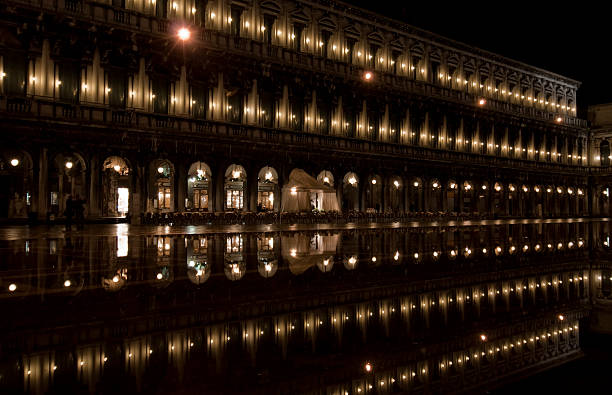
(268, 267)
(12, 287)
(352, 260)
(373, 259)
(396, 256)
(293, 252)
(235, 268)
(67, 283)
(271, 243)
(159, 276)
(191, 264)
(115, 279)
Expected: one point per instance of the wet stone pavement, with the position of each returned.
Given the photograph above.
(393, 308)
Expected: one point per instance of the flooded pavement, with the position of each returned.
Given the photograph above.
(381, 309)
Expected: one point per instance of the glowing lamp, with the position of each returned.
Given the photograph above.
(68, 165)
(482, 102)
(14, 162)
(183, 34)
(367, 76)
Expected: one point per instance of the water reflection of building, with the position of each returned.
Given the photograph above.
(198, 268)
(385, 314)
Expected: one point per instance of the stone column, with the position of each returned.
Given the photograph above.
(43, 184)
(219, 188)
(93, 201)
(252, 186)
(180, 186)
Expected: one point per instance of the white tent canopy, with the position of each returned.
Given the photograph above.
(303, 193)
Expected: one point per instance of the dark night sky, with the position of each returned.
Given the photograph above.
(558, 38)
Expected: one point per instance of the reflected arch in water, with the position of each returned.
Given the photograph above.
(326, 264)
(266, 268)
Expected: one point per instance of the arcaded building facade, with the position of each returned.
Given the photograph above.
(153, 106)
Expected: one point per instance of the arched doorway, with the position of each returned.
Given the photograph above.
(416, 195)
(235, 180)
(67, 179)
(198, 187)
(512, 200)
(267, 189)
(396, 190)
(604, 153)
(373, 194)
(16, 181)
(483, 198)
(469, 202)
(435, 195)
(161, 192)
(498, 202)
(115, 187)
(350, 191)
(452, 197)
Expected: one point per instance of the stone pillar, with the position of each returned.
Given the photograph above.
(93, 201)
(252, 186)
(219, 188)
(180, 182)
(43, 184)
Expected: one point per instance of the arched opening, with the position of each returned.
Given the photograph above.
(161, 181)
(198, 269)
(436, 195)
(498, 201)
(452, 197)
(483, 192)
(326, 177)
(373, 194)
(603, 197)
(234, 262)
(66, 180)
(198, 187)
(571, 200)
(267, 189)
(469, 202)
(235, 180)
(604, 153)
(267, 256)
(115, 187)
(581, 206)
(350, 191)
(512, 200)
(16, 180)
(525, 201)
(538, 193)
(396, 191)
(415, 189)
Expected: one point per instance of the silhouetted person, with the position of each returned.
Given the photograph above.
(79, 207)
(69, 212)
